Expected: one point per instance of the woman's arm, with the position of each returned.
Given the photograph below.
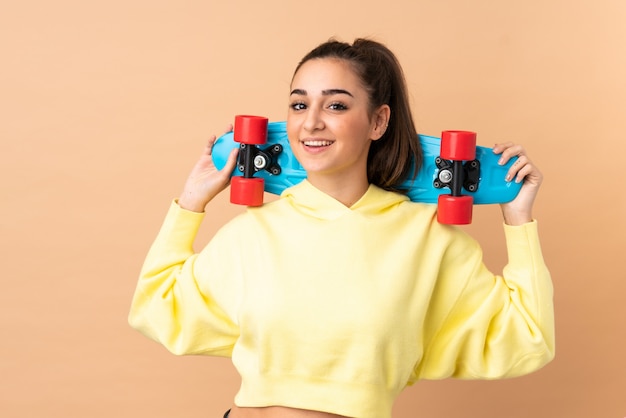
(170, 304)
(519, 211)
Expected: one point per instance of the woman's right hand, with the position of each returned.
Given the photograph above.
(205, 181)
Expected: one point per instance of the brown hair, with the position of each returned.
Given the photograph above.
(398, 152)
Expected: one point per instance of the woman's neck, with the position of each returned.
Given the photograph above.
(346, 191)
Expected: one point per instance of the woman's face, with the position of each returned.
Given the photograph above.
(329, 125)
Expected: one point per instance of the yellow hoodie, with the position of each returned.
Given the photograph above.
(337, 309)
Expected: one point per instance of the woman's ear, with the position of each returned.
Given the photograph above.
(380, 121)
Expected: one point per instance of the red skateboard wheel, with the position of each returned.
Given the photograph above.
(250, 129)
(246, 191)
(454, 210)
(458, 145)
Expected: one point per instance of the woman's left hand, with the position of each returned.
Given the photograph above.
(519, 210)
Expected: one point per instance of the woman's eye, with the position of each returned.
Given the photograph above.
(298, 106)
(337, 106)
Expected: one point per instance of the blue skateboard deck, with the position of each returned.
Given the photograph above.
(490, 189)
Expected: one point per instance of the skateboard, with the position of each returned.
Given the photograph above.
(455, 173)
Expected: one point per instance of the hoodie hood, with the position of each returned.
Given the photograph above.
(306, 198)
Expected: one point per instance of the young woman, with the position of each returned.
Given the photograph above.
(335, 297)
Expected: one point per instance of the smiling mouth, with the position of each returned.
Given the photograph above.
(317, 143)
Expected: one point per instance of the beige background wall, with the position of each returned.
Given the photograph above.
(104, 106)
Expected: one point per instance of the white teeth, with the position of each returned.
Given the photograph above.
(317, 143)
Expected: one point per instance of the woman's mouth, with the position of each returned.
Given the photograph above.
(317, 143)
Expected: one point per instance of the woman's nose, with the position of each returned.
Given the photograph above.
(313, 121)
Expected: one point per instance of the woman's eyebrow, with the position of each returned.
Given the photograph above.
(328, 92)
(299, 92)
(332, 92)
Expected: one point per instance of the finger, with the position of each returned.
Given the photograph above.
(229, 128)
(499, 148)
(232, 160)
(531, 174)
(523, 171)
(520, 174)
(229, 167)
(510, 152)
(210, 143)
(516, 167)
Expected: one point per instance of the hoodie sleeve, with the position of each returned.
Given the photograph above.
(170, 304)
(489, 326)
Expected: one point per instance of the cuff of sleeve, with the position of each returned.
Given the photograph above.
(523, 244)
(181, 225)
